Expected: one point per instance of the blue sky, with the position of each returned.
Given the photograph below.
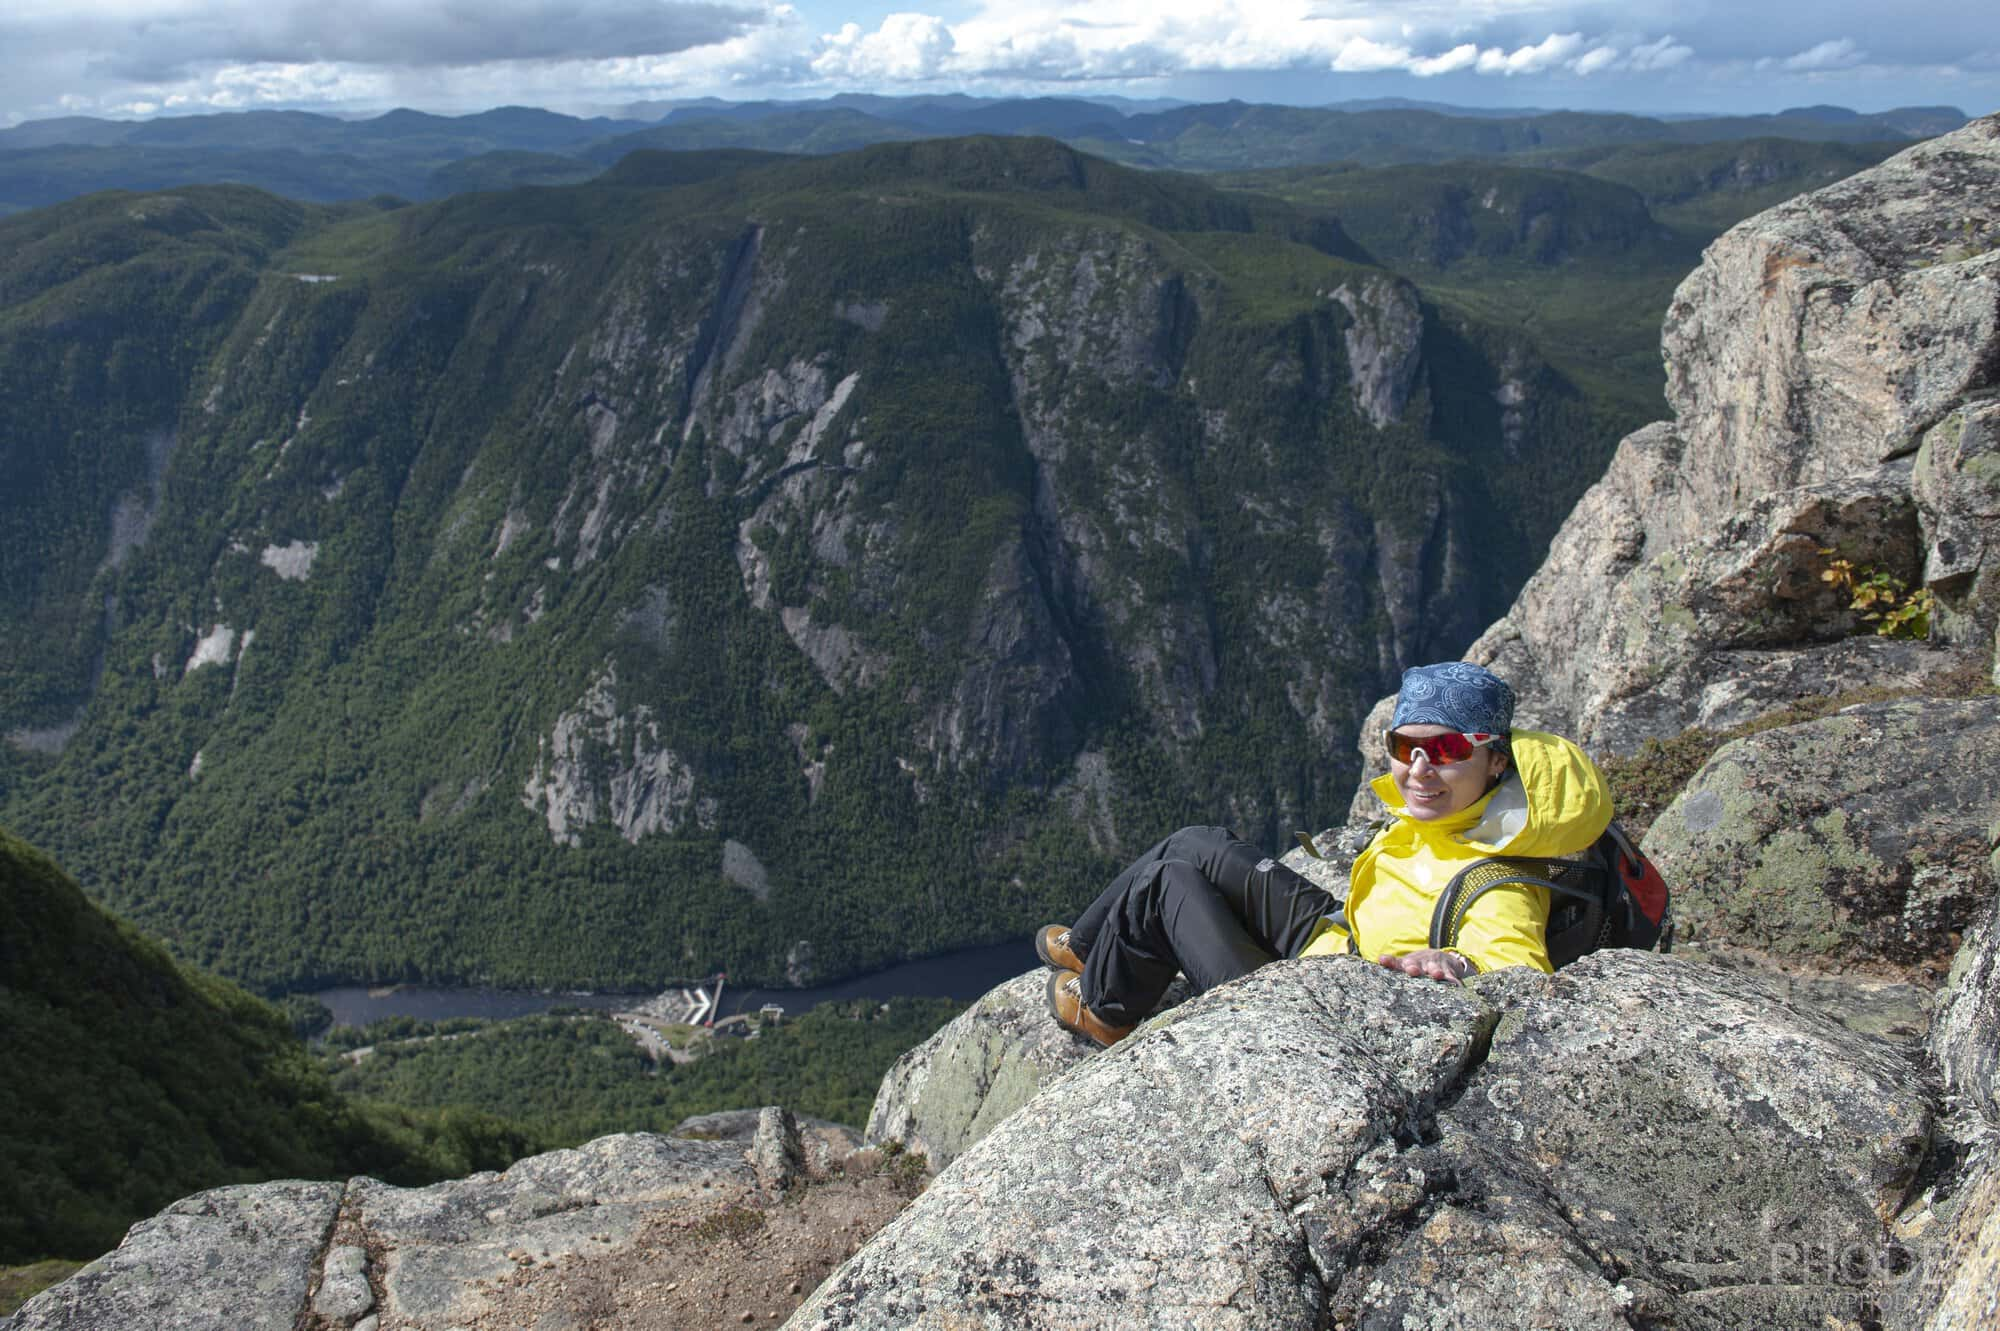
(149, 57)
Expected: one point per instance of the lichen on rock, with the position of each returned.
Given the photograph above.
(1857, 838)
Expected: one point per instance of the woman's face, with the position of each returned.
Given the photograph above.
(1430, 792)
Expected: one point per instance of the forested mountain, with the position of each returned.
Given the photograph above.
(132, 1081)
(780, 566)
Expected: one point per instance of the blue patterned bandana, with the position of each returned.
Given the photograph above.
(1456, 694)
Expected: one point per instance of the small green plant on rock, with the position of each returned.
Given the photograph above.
(1882, 600)
(734, 1223)
(908, 1171)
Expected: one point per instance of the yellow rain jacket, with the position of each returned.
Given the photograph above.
(1553, 801)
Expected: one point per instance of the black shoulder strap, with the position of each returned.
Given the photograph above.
(1482, 876)
(1339, 917)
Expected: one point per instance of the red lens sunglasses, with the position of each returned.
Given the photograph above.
(1438, 750)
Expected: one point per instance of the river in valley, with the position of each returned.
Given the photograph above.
(963, 975)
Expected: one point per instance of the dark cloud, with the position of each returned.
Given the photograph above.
(420, 34)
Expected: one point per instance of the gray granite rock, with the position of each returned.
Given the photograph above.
(444, 1247)
(1965, 1033)
(1859, 837)
(1753, 581)
(1957, 489)
(1715, 629)
(777, 1156)
(1193, 1175)
(740, 1125)
(224, 1260)
(822, 1142)
(1327, 1143)
(334, 1257)
(1896, 1010)
(1956, 1287)
(344, 1294)
(1505, 1260)
(1823, 336)
(1701, 1136)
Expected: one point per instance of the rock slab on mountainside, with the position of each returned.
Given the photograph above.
(263, 1257)
(233, 1258)
(1327, 1139)
(982, 1065)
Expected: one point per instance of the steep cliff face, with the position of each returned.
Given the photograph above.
(913, 500)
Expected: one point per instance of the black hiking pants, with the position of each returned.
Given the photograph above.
(1203, 901)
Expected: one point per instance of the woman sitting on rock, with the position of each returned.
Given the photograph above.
(1462, 786)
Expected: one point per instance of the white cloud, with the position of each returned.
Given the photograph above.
(1840, 54)
(1662, 54)
(778, 53)
(237, 87)
(1462, 56)
(907, 47)
(1029, 41)
(1546, 54)
(1362, 56)
(1598, 57)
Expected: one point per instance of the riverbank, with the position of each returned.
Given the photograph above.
(962, 976)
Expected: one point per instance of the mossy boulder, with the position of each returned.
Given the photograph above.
(991, 1059)
(1860, 837)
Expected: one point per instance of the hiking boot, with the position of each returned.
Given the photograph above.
(1066, 1005)
(1052, 946)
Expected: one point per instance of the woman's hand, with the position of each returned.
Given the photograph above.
(1429, 963)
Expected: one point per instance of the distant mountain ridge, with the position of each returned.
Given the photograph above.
(321, 158)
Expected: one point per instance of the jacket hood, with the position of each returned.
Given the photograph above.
(1553, 801)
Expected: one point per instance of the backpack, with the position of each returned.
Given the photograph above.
(1609, 896)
